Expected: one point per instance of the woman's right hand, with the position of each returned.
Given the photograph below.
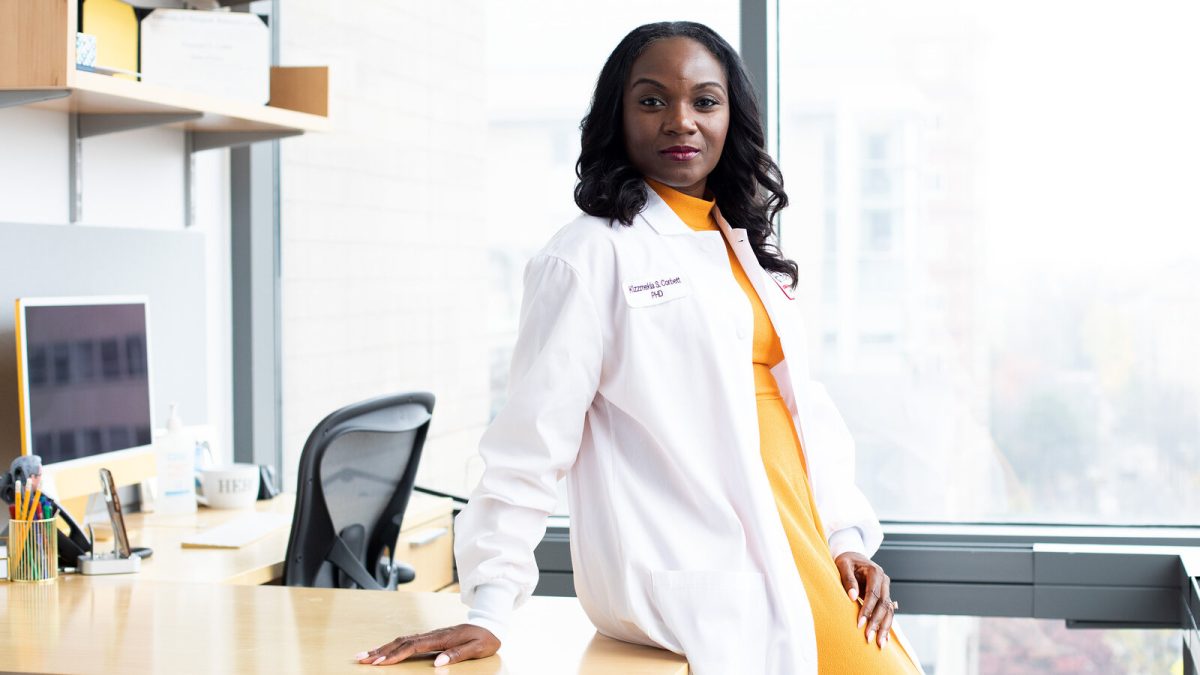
(457, 643)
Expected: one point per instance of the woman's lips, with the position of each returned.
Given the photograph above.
(679, 153)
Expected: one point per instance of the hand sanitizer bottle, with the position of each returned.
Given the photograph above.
(175, 463)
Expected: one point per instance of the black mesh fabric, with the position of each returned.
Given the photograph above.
(356, 474)
(354, 494)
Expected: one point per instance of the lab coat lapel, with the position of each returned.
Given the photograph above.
(785, 577)
(784, 318)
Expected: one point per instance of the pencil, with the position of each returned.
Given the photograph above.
(18, 546)
(35, 508)
(22, 541)
(15, 545)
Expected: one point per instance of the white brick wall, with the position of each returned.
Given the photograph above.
(383, 223)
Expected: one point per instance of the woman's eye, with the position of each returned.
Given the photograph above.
(650, 100)
(707, 102)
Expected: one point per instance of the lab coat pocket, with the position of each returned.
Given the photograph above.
(719, 619)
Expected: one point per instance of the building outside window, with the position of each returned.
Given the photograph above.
(1016, 278)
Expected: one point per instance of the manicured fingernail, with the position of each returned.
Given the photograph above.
(862, 620)
(884, 643)
(378, 661)
(361, 655)
(441, 659)
(853, 593)
(870, 635)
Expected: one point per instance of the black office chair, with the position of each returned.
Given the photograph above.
(356, 475)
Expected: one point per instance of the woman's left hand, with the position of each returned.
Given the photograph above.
(866, 582)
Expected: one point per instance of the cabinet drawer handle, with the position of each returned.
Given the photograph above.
(427, 537)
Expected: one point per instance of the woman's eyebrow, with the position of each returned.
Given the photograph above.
(660, 85)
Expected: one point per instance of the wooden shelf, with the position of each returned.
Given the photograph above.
(91, 93)
(37, 54)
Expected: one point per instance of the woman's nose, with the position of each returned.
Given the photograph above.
(679, 120)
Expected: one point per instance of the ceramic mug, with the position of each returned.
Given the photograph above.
(232, 486)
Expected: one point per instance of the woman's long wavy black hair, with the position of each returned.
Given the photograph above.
(746, 181)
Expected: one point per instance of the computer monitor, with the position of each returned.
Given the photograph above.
(83, 370)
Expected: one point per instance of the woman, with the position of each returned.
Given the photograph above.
(711, 482)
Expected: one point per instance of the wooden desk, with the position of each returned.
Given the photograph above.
(105, 625)
(256, 563)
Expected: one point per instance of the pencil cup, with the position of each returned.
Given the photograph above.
(32, 550)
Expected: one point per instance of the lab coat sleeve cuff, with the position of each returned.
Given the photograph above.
(492, 606)
(846, 540)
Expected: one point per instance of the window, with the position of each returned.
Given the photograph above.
(85, 360)
(62, 363)
(996, 646)
(876, 146)
(877, 182)
(1020, 209)
(110, 359)
(39, 365)
(877, 231)
(135, 356)
(1019, 340)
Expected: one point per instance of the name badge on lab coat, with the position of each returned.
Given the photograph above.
(654, 290)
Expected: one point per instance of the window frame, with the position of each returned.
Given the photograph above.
(1088, 576)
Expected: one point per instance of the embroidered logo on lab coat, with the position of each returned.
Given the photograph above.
(654, 290)
(784, 285)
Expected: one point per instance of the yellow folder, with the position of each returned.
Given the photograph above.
(116, 29)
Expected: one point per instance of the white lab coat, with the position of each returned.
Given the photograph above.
(632, 378)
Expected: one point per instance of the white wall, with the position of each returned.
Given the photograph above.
(33, 166)
(383, 223)
(132, 179)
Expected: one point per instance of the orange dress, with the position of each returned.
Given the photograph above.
(842, 647)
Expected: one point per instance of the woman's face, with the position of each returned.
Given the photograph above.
(676, 114)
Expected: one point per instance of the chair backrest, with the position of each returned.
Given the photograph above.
(356, 475)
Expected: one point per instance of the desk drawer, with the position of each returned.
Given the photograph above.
(429, 548)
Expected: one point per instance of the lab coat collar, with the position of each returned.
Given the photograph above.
(735, 235)
(661, 217)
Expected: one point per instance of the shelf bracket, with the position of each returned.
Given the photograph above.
(98, 124)
(211, 140)
(189, 180)
(26, 96)
(75, 170)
